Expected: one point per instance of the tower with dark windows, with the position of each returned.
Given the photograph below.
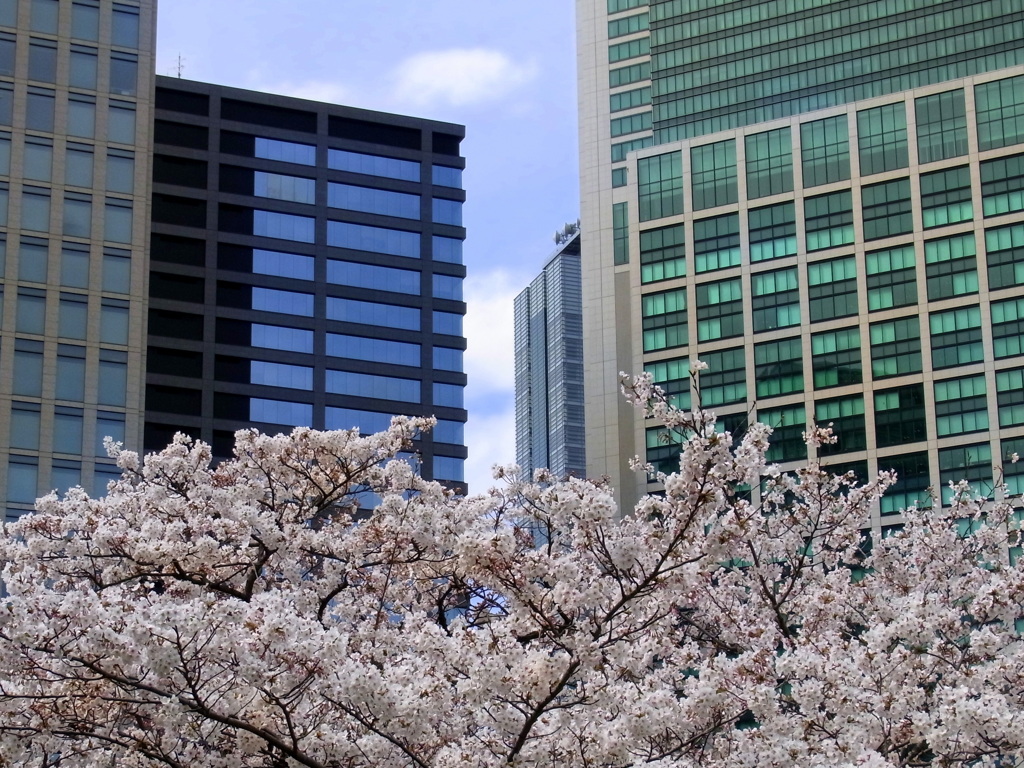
(306, 270)
(824, 203)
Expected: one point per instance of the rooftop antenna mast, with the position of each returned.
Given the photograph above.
(181, 65)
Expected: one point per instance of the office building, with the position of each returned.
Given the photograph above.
(743, 165)
(549, 366)
(76, 85)
(307, 258)
(306, 269)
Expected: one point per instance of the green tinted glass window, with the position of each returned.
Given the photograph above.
(788, 426)
(627, 26)
(716, 242)
(620, 177)
(775, 299)
(663, 449)
(620, 232)
(1002, 185)
(941, 126)
(664, 320)
(634, 73)
(622, 126)
(961, 406)
(713, 172)
(846, 417)
(1007, 328)
(912, 482)
(832, 288)
(660, 185)
(662, 253)
(772, 232)
(631, 49)
(828, 220)
(887, 209)
(946, 197)
(882, 138)
(1010, 397)
(891, 278)
(835, 358)
(825, 151)
(720, 310)
(895, 347)
(999, 107)
(638, 97)
(779, 367)
(769, 159)
(951, 266)
(1004, 252)
(673, 376)
(956, 337)
(972, 463)
(616, 6)
(1013, 476)
(725, 380)
(900, 416)
(623, 148)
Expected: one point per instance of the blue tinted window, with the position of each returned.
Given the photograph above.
(449, 468)
(285, 151)
(280, 412)
(373, 165)
(282, 264)
(445, 176)
(447, 212)
(368, 385)
(448, 359)
(369, 313)
(448, 287)
(373, 350)
(374, 239)
(277, 186)
(381, 201)
(347, 418)
(448, 323)
(449, 395)
(447, 249)
(278, 337)
(286, 302)
(371, 276)
(281, 375)
(450, 432)
(284, 226)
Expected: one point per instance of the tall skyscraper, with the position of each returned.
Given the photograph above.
(743, 166)
(307, 258)
(76, 86)
(306, 270)
(549, 366)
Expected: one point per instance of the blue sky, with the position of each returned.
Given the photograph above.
(504, 69)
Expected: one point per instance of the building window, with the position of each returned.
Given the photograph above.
(1007, 328)
(673, 376)
(832, 289)
(33, 255)
(895, 347)
(368, 422)
(22, 479)
(1010, 397)
(283, 226)
(882, 138)
(1002, 185)
(82, 72)
(946, 197)
(449, 395)
(961, 406)
(117, 221)
(620, 233)
(77, 215)
(113, 378)
(291, 152)
(779, 367)
(663, 448)
(373, 386)
(912, 482)
(634, 73)
(280, 337)
(972, 463)
(70, 383)
(295, 189)
(772, 232)
(37, 158)
(281, 264)
(448, 323)
(951, 266)
(24, 432)
(629, 50)
(788, 426)
(720, 310)
(662, 254)
(446, 249)
(664, 320)
(67, 430)
(42, 61)
(887, 209)
(775, 297)
(124, 27)
(280, 375)
(446, 212)
(371, 165)
(620, 177)
(31, 311)
(891, 278)
(72, 316)
(628, 25)
(39, 110)
(81, 116)
(769, 158)
(368, 200)
(828, 220)
(448, 359)
(371, 313)
(845, 415)
(956, 337)
(638, 97)
(447, 287)
(999, 107)
(623, 148)
(359, 237)
(1004, 249)
(660, 185)
(124, 74)
(1013, 475)
(716, 242)
(900, 416)
(35, 209)
(285, 302)
(941, 126)
(825, 151)
(725, 380)
(713, 172)
(280, 412)
(446, 176)
(373, 277)
(835, 358)
(623, 126)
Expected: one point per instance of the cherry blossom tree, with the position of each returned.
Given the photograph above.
(260, 613)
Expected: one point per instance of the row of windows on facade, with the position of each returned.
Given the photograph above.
(72, 317)
(342, 347)
(46, 64)
(37, 155)
(102, 373)
(887, 210)
(75, 212)
(44, 17)
(69, 265)
(77, 117)
(881, 141)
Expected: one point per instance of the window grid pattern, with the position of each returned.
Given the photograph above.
(662, 254)
(835, 358)
(660, 186)
(1004, 254)
(775, 299)
(891, 278)
(941, 126)
(713, 173)
(825, 151)
(946, 197)
(882, 138)
(951, 266)
(716, 242)
(769, 159)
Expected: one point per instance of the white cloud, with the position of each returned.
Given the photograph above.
(459, 76)
(491, 439)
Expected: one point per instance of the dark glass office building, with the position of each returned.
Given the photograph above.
(306, 269)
